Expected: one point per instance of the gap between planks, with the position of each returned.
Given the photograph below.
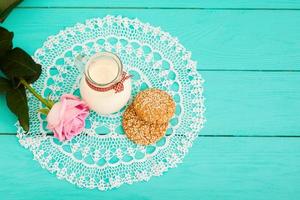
(219, 136)
(152, 8)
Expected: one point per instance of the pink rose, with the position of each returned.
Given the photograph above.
(67, 118)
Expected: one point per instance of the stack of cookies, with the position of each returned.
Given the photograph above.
(146, 120)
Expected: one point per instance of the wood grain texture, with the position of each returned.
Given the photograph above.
(244, 50)
(278, 4)
(252, 103)
(215, 168)
(231, 40)
(238, 103)
(219, 40)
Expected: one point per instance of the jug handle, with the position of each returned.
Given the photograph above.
(80, 62)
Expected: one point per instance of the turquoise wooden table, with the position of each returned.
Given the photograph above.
(248, 53)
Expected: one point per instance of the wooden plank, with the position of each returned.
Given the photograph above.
(241, 40)
(221, 40)
(266, 4)
(238, 103)
(253, 103)
(215, 168)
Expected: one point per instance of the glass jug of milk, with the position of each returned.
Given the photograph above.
(104, 86)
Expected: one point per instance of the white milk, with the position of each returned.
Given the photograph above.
(104, 70)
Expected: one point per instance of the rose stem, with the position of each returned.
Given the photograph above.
(38, 96)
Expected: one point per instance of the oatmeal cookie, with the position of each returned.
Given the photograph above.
(154, 106)
(140, 131)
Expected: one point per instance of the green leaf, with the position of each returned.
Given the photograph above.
(18, 64)
(5, 41)
(6, 6)
(44, 111)
(5, 84)
(17, 102)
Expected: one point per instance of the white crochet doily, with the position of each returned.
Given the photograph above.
(102, 157)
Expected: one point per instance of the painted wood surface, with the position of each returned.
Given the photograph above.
(248, 53)
(222, 42)
(215, 168)
(238, 103)
(187, 4)
(222, 39)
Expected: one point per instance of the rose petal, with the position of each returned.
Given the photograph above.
(58, 133)
(75, 128)
(72, 100)
(69, 97)
(67, 118)
(53, 117)
(72, 113)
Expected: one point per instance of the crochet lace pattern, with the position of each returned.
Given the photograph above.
(102, 156)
